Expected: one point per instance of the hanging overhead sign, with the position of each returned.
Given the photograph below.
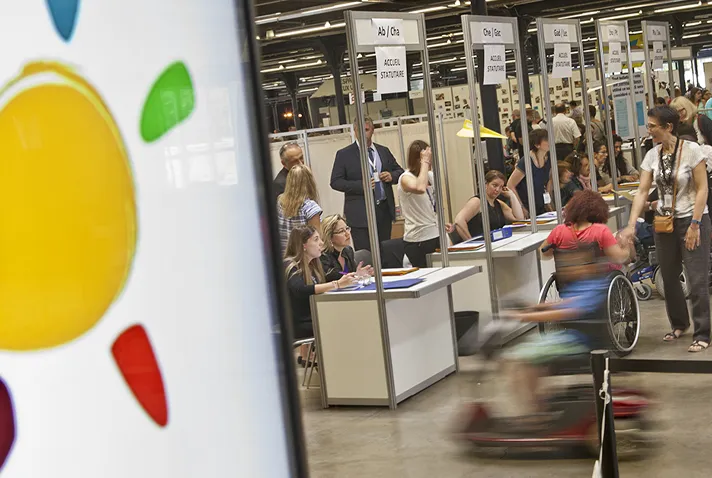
(388, 31)
(490, 32)
(615, 58)
(656, 33)
(562, 61)
(390, 69)
(658, 56)
(560, 33)
(495, 66)
(613, 33)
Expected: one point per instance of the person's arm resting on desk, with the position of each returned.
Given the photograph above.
(338, 177)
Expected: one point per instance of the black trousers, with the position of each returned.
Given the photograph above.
(563, 150)
(384, 222)
(417, 252)
(672, 254)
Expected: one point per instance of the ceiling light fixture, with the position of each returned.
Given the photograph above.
(278, 17)
(633, 7)
(585, 14)
(429, 9)
(681, 7)
(693, 35)
(625, 15)
(331, 26)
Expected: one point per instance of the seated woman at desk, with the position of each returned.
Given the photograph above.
(603, 170)
(566, 185)
(579, 173)
(417, 201)
(468, 222)
(338, 256)
(626, 172)
(305, 277)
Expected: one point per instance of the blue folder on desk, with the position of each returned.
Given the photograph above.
(396, 284)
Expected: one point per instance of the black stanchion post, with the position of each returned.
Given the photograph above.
(609, 464)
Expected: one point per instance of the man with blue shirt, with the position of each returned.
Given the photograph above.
(346, 177)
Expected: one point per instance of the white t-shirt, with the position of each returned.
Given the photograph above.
(690, 156)
(421, 221)
(565, 129)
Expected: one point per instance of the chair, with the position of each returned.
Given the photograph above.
(311, 364)
(364, 255)
(392, 253)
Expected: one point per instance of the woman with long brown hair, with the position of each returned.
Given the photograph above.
(298, 205)
(417, 201)
(305, 276)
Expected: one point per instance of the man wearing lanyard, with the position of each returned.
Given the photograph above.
(346, 177)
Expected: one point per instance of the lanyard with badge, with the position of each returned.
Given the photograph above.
(668, 173)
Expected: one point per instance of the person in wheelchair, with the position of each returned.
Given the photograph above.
(583, 248)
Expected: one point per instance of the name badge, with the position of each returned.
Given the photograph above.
(547, 198)
(667, 201)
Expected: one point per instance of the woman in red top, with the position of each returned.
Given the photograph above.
(586, 216)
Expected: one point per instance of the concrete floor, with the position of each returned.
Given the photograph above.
(415, 440)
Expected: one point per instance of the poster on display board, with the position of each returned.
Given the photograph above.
(124, 343)
(621, 106)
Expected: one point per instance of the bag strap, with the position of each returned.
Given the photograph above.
(677, 160)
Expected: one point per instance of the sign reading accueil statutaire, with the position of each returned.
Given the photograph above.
(390, 69)
(388, 31)
(658, 55)
(615, 59)
(495, 66)
(562, 61)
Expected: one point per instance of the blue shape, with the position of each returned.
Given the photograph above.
(64, 16)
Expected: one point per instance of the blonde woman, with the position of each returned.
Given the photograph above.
(689, 115)
(305, 277)
(338, 256)
(298, 205)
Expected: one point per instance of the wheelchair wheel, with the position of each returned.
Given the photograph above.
(623, 315)
(549, 294)
(660, 285)
(644, 291)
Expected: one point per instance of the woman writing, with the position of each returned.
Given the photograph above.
(682, 231)
(305, 277)
(417, 201)
(603, 170)
(541, 172)
(298, 205)
(338, 256)
(468, 222)
(626, 171)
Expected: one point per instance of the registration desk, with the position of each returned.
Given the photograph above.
(353, 358)
(517, 272)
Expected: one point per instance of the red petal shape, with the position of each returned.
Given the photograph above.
(7, 423)
(137, 363)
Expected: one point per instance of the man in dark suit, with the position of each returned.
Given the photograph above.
(290, 154)
(346, 177)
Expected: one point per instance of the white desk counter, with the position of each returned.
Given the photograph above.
(355, 361)
(517, 273)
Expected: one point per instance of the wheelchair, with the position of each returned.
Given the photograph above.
(623, 313)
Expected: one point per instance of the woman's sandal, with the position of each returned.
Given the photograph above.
(698, 346)
(673, 336)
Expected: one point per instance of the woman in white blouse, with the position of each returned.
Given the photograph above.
(678, 168)
(417, 201)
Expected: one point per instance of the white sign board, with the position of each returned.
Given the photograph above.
(495, 66)
(390, 69)
(388, 31)
(656, 33)
(489, 32)
(560, 33)
(658, 55)
(615, 58)
(613, 33)
(562, 61)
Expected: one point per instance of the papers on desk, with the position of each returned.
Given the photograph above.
(398, 272)
(547, 215)
(608, 197)
(630, 185)
(540, 222)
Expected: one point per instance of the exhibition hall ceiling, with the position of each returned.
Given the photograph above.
(292, 34)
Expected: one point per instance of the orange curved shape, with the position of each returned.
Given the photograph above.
(68, 221)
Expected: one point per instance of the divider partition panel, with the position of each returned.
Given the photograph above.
(549, 33)
(654, 32)
(480, 31)
(616, 32)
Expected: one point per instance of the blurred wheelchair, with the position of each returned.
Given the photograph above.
(623, 313)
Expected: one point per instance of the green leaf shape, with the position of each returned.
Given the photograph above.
(170, 101)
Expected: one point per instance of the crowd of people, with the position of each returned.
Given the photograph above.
(321, 252)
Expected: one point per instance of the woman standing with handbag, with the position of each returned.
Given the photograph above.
(681, 223)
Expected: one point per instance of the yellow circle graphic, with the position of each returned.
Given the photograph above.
(67, 209)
